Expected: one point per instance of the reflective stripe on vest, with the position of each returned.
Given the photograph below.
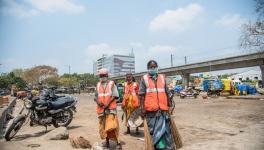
(105, 95)
(132, 91)
(149, 90)
(156, 97)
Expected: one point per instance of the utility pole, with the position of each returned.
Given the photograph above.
(69, 69)
(185, 60)
(171, 60)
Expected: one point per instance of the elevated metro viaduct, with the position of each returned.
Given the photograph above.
(241, 61)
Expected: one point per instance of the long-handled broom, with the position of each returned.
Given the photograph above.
(174, 130)
(148, 139)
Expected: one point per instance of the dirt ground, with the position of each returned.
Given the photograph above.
(210, 124)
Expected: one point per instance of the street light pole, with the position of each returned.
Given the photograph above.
(171, 60)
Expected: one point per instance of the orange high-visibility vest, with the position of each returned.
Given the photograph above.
(105, 95)
(131, 90)
(156, 97)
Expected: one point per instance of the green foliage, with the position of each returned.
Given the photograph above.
(6, 80)
(48, 76)
(68, 81)
(225, 76)
(88, 79)
(18, 72)
(84, 80)
(51, 81)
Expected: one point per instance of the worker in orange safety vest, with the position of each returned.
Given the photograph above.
(130, 99)
(105, 98)
(154, 98)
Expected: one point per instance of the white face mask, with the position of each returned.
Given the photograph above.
(103, 79)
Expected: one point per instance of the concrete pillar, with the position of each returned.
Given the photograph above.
(262, 72)
(185, 80)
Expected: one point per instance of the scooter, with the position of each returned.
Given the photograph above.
(189, 92)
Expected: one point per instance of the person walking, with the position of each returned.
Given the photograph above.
(130, 100)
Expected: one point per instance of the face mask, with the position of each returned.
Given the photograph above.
(103, 79)
(153, 71)
(129, 80)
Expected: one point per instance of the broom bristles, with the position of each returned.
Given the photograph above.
(175, 133)
(148, 139)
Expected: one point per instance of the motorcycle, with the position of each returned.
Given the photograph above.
(50, 95)
(189, 92)
(43, 112)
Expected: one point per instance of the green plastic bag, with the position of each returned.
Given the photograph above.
(161, 144)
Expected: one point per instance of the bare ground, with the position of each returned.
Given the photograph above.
(204, 124)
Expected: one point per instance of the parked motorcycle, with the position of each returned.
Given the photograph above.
(49, 94)
(189, 92)
(43, 112)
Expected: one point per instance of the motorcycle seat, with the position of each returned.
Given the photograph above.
(65, 99)
(61, 102)
(41, 102)
(58, 104)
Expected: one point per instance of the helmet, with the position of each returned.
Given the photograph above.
(103, 71)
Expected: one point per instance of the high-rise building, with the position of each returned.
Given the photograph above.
(116, 64)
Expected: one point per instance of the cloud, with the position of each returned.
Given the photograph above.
(176, 20)
(97, 50)
(11, 7)
(230, 21)
(56, 5)
(28, 8)
(161, 49)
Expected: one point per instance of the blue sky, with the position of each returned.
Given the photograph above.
(77, 32)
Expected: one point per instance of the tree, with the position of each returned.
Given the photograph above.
(18, 72)
(51, 81)
(85, 79)
(253, 32)
(39, 74)
(68, 81)
(6, 80)
(225, 76)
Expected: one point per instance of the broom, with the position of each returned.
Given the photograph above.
(148, 139)
(174, 130)
(175, 134)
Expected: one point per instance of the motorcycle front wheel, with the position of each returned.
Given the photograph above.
(63, 119)
(13, 129)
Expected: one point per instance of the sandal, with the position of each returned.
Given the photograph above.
(119, 146)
